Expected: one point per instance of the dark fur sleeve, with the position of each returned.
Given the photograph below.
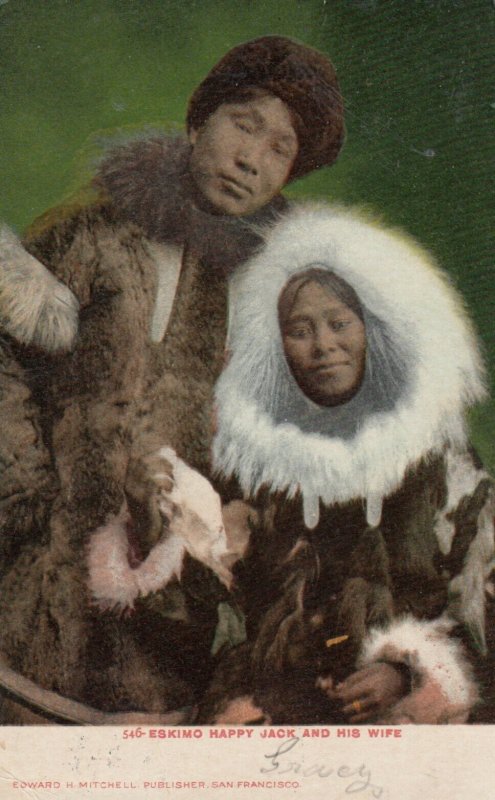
(27, 482)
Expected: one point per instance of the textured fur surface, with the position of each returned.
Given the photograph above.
(35, 308)
(301, 77)
(148, 180)
(469, 512)
(396, 282)
(192, 516)
(443, 688)
(118, 395)
(404, 582)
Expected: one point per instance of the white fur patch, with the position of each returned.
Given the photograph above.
(113, 583)
(431, 654)
(462, 478)
(35, 308)
(194, 510)
(397, 282)
(468, 589)
(195, 525)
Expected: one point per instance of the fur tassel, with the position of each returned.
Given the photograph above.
(35, 308)
(113, 583)
(443, 689)
(195, 525)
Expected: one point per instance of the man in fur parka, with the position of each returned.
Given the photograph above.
(114, 325)
(341, 416)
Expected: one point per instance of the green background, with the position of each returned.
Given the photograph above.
(416, 76)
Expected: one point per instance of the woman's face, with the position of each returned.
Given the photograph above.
(325, 346)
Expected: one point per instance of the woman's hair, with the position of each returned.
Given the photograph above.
(327, 280)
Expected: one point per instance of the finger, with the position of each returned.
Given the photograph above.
(359, 707)
(159, 465)
(155, 527)
(355, 692)
(326, 685)
(356, 677)
(163, 482)
(167, 508)
(364, 717)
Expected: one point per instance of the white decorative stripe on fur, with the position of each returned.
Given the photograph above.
(113, 583)
(397, 282)
(462, 477)
(468, 589)
(35, 308)
(168, 260)
(434, 658)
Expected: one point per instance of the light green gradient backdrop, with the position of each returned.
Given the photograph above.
(416, 75)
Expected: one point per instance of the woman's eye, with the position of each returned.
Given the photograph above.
(298, 333)
(339, 324)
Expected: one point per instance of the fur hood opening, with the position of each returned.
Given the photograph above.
(423, 368)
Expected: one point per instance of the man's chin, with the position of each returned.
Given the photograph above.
(221, 203)
(217, 201)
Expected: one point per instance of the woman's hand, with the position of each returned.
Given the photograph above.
(367, 693)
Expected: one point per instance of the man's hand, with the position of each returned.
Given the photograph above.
(147, 477)
(367, 693)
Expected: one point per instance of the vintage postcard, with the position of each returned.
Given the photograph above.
(246, 435)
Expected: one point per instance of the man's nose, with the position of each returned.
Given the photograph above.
(249, 156)
(246, 163)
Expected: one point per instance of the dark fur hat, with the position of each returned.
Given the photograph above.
(300, 76)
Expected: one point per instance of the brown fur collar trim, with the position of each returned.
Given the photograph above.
(148, 181)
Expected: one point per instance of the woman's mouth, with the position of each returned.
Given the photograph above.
(323, 369)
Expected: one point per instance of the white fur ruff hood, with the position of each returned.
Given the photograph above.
(415, 313)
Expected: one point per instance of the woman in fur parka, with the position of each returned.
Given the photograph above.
(341, 417)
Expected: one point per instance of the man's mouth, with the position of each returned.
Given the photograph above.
(235, 187)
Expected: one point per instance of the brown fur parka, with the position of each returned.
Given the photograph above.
(117, 395)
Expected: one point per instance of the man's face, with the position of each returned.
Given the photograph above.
(243, 154)
(325, 346)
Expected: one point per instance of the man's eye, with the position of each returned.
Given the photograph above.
(242, 126)
(280, 151)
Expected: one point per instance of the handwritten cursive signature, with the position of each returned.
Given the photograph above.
(360, 776)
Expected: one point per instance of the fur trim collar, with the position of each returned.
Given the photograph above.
(423, 351)
(148, 181)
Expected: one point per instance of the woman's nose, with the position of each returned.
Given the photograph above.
(325, 339)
